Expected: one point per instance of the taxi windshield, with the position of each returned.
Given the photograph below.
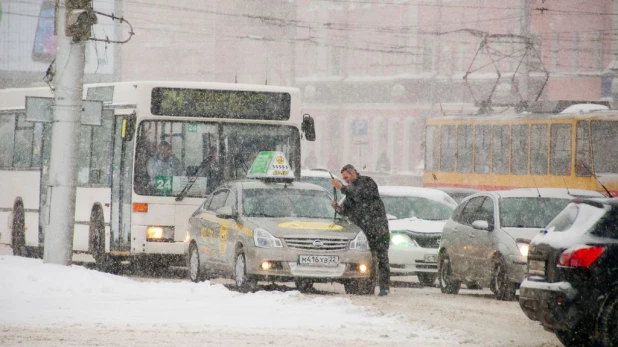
(286, 202)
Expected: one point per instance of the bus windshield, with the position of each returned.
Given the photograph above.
(171, 155)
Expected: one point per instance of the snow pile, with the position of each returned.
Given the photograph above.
(33, 293)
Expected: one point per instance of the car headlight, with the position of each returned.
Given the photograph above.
(360, 242)
(523, 248)
(402, 240)
(264, 239)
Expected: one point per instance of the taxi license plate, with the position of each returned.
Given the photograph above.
(536, 267)
(430, 258)
(318, 260)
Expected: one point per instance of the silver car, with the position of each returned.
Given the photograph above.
(485, 242)
(416, 218)
(253, 230)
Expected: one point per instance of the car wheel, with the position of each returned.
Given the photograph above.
(574, 338)
(304, 285)
(608, 326)
(427, 279)
(473, 285)
(195, 270)
(244, 283)
(18, 235)
(360, 287)
(502, 287)
(448, 284)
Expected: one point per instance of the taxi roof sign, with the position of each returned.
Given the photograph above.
(271, 164)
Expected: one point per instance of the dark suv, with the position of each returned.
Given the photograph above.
(571, 286)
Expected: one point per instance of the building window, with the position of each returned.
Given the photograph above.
(576, 52)
(555, 51)
(427, 56)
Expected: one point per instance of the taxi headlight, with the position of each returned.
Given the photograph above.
(402, 240)
(264, 239)
(523, 248)
(360, 242)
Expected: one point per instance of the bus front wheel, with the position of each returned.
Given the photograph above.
(103, 261)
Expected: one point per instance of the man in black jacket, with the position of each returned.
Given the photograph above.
(364, 207)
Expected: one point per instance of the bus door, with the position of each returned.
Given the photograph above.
(122, 183)
(45, 209)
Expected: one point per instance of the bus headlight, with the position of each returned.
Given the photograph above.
(157, 233)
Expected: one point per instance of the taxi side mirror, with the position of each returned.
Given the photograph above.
(226, 212)
(481, 225)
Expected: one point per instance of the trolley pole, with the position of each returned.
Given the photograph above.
(72, 26)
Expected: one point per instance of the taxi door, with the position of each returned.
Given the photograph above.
(211, 227)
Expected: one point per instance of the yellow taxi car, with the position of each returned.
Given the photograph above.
(276, 230)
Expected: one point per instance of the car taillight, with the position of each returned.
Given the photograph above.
(580, 256)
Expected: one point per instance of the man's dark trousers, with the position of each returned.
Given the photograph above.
(381, 267)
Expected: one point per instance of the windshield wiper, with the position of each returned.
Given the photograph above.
(191, 181)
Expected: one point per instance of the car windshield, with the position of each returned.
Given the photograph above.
(323, 182)
(411, 206)
(530, 212)
(287, 203)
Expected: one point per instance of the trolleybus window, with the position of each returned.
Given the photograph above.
(519, 150)
(604, 145)
(560, 156)
(481, 149)
(464, 150)
(538, 149)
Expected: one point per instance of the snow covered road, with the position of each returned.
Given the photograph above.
(51, 305)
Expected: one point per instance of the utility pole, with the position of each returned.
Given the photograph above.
(74, 19)
(525, 32)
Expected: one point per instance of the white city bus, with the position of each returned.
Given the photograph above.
(124, 210)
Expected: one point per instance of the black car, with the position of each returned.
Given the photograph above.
(571, 286)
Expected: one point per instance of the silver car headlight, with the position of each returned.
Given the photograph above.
(402, 240)
(264, 239)
(360, 242)
(523, 248)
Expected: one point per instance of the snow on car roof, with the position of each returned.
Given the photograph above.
(261, 184)
(314, 173)
(532, 192)
(427, 193)
(573, 192)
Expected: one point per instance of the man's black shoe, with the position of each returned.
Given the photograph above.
(383, 292)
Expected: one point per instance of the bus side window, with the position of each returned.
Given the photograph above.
(538, 149)
(465, 139)
(519, 149)
(7, 139)
(582, 149)
(560, 153)
(482, 147)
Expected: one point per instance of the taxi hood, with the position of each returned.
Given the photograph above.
(522, 233)
(307, 227)
(417, 225)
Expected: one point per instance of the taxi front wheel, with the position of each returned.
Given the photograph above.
(244, 283)
(196, 272)
(304, 285)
